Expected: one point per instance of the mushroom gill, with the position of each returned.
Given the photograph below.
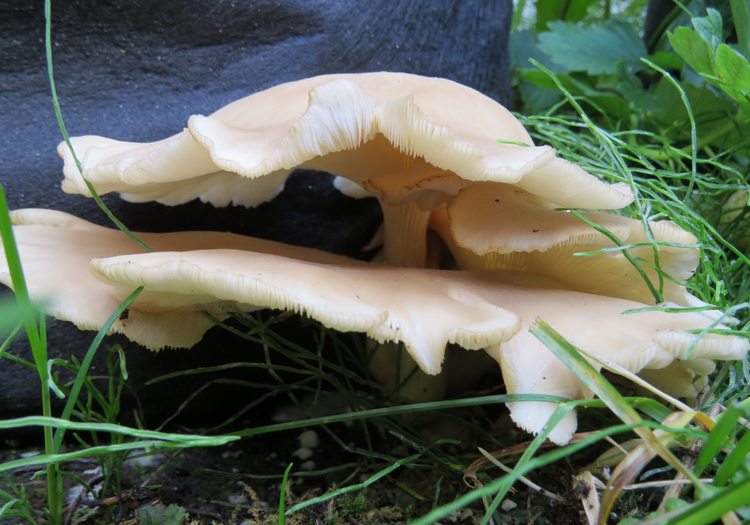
(412, 141)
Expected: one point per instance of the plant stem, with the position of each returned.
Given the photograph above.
(37, 341)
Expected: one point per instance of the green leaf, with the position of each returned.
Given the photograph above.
(543, 80)
(161, 515)
(550, 10)
(710, 28)
(613, 105)
(595, 50)
(632, 89)
(741, 16)
(667, 60)
(523, 46)
(732, 74)
(693, 49)
(537, 99)
(711, 111)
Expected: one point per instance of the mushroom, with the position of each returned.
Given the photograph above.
(56, 249)
(426, 309)
(412, 141)
(494, 226)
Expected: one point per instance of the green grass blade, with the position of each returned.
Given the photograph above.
(5, 508)
(51, 459)
(532, 464)
(353, 488)
(397, 410)
(733, 461)
(568, 354)
(61, 124)
(611, 236)
(282, 497)
(517, 15)
(84, 368)
(112, 428)
(717, 440)
(712, 508)
(18, 280)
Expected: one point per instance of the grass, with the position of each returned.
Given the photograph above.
(687, 184)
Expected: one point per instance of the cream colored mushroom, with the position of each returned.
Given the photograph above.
(496, 226)
(56, 249)
(426, 309)
(412, 141)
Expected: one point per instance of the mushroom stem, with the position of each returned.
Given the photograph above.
(405, 234)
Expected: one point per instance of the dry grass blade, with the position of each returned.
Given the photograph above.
(470, 475)
(522, 479)
(674, 490)
(617, 369)
(629, 468)
(584, 487)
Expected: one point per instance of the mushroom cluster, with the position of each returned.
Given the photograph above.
(440, 158)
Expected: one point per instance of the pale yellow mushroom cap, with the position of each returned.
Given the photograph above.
(389, 132)
(450, 125)
(56, 249)
(638, 341)
(407, 139)
(426, 309)
(499, 226)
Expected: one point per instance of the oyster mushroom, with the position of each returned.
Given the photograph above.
(426, 309)
(56, 249)
(495, 226)
(412, 141)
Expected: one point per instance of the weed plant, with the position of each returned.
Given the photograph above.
(686, 180)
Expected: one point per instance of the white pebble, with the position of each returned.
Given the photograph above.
(303, 453)
(309, 439)
(234, 499)
(508, 505)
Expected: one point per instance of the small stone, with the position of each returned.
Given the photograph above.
(303, 453)
(508, 505)
(73, 494)
(309, 439)
(308, 465)
(234, 499)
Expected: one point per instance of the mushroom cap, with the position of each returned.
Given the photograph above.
(638, 341)
(426, 309)
(56, 249)
(499, 226)
(500, 218)
(253, 274)
(359, 126)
